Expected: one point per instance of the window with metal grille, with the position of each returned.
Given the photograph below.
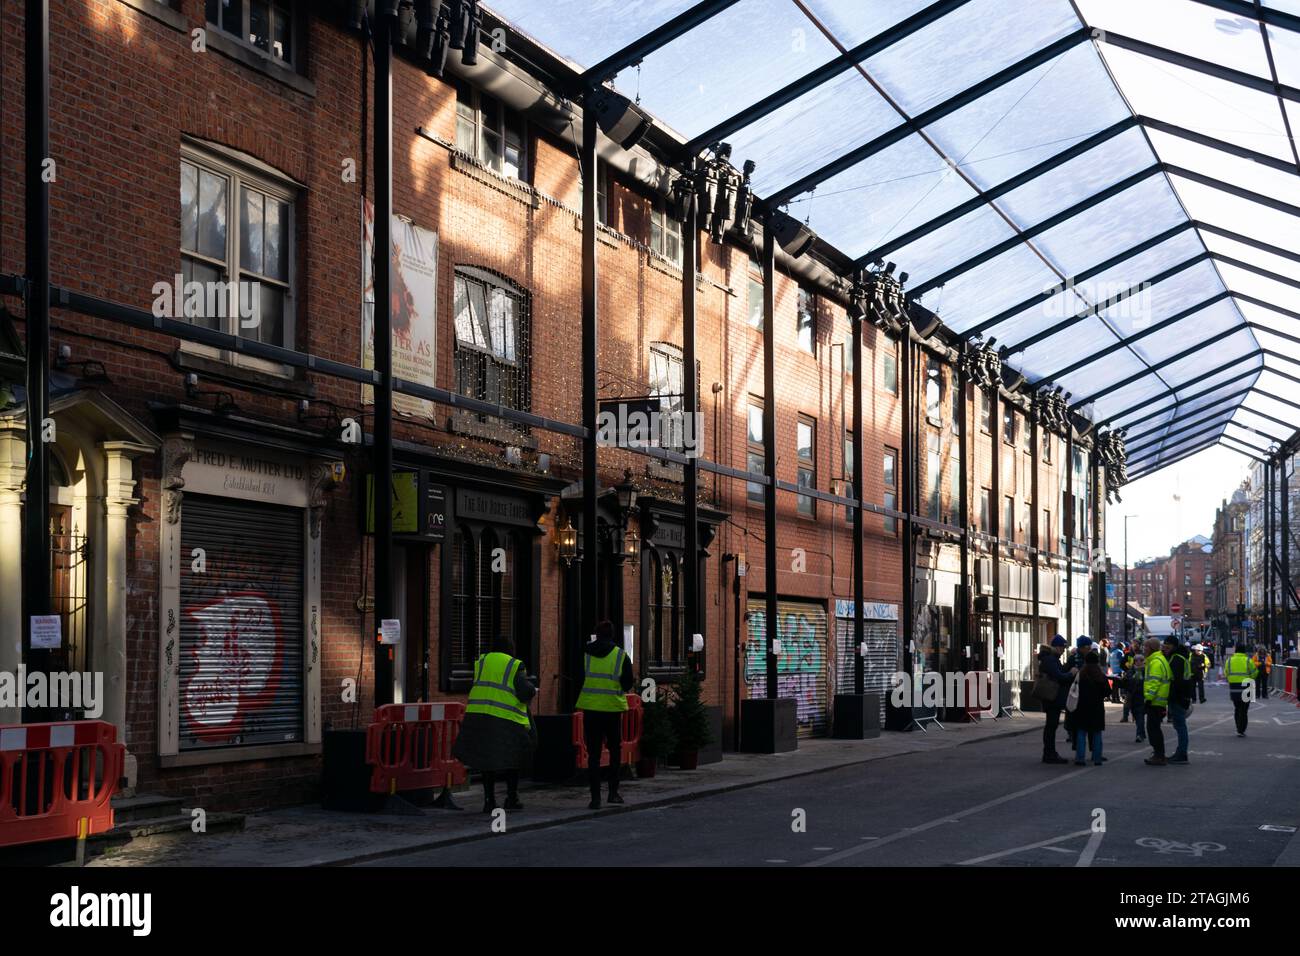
(666, 611)
(266, 25)
(490, 132)
(483, 599)
(492, 340)
(806, 454)
(237, 245)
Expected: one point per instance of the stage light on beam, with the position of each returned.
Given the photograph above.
(618, 117)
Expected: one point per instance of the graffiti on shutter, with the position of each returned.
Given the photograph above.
(803, 669)
(880, 664)
(241, 669)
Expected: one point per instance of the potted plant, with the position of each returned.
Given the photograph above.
(658, 740)
(690, 719)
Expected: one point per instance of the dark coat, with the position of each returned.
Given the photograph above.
(493, 743)
(1050, 665)
(1090, 714)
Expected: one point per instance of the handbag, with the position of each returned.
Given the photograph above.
(1045, 689)
(1072, 700)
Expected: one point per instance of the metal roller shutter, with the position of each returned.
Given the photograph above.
(881, 662)
(241, 664)
(803, 670)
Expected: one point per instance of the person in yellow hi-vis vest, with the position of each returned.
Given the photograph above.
(1155, 694)
(1241, 673)
(607, 677)
(495, 736)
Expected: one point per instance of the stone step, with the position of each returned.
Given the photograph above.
(144, 806)
(162, 829)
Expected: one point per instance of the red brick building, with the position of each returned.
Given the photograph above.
(210, 493)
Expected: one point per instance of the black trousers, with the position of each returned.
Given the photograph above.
(1240, 711)
(602, 727)
(1154, 734)
(1262, 685)
(490, 784)
(1200, 687)
(1049, 729)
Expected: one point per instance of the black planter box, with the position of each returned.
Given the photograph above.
(857, 717)
(768, 726)
(345, 775)
(554, 761)
(713, 752)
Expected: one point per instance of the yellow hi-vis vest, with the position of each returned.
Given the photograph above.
(1156, 688)
(1239, 669)
(493, 692)
(601, 687)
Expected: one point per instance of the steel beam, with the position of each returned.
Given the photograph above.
(1174, 390)
(691, 403)
(656, 39)
(588, 568)
(769, 451)
(926, 118)
(1206, 67)
(822, 75)
(1001, 189)
(1150, 370)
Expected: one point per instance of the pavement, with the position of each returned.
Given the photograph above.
(312, 836)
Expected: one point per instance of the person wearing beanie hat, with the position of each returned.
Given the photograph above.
(1049, 668)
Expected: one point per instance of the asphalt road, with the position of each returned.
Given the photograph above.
(987, 804)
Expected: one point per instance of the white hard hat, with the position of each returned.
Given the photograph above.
(1198, 647)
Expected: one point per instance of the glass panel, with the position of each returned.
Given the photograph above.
(1199, 102)
(276, 256)
(968, 45)
(755, 424)
(971, 297)
(269, 327)
(464, 321)
(1256, 257)
(1120, 222)
(1130, 396)
(1211, 322)
(1161, 300)
(945, 247)
(1272, 406)
(282, 32)
(478, 316)
(1270, 290)
(1198, 30)
(1286, 6)
(1189, 369)
(250, 231)
(259, 24)
(747, 51)
(1286, 54)
(189, 206)
(584, 31)
(1240, 215)
(212, 215)
(207, 308)
(1227, 168)
(1031, 118)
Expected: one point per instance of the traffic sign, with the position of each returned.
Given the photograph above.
(1175, 608)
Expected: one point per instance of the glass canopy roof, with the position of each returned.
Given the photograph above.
(1108, 189)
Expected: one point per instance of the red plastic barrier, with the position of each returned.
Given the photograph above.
(632, 721)
(409, 747)
(53, 776)
(1288, 681)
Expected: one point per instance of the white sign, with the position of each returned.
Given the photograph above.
(697, 643)
(390, 631)
(47, 632)
(629, 641)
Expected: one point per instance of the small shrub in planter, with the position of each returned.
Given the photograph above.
(658, 740)
(690, 719)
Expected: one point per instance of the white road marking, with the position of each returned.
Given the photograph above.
(1176, 846)
(987, 805)
(1090, 851)
(1284, 756)
(1027, 846)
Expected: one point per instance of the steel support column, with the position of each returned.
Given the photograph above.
(589, 569)
(963, 602)
(1035, 454)
(859, 612)
(907, 464)
(1268, 550)
(1098, 595)
(1285, 523)
(995, 519)
(385, 30)
(36, 521)
(1069, 533)
(769, 450)
(691, 407)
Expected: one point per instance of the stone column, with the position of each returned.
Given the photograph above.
(109, 650)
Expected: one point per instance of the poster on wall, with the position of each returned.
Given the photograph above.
(414, 308)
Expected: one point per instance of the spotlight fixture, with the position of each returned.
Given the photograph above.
(621, 121)
(723, 193)
(356, 14)
(926, 323)
(433, 35)
(794, 238)
(405, 17)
